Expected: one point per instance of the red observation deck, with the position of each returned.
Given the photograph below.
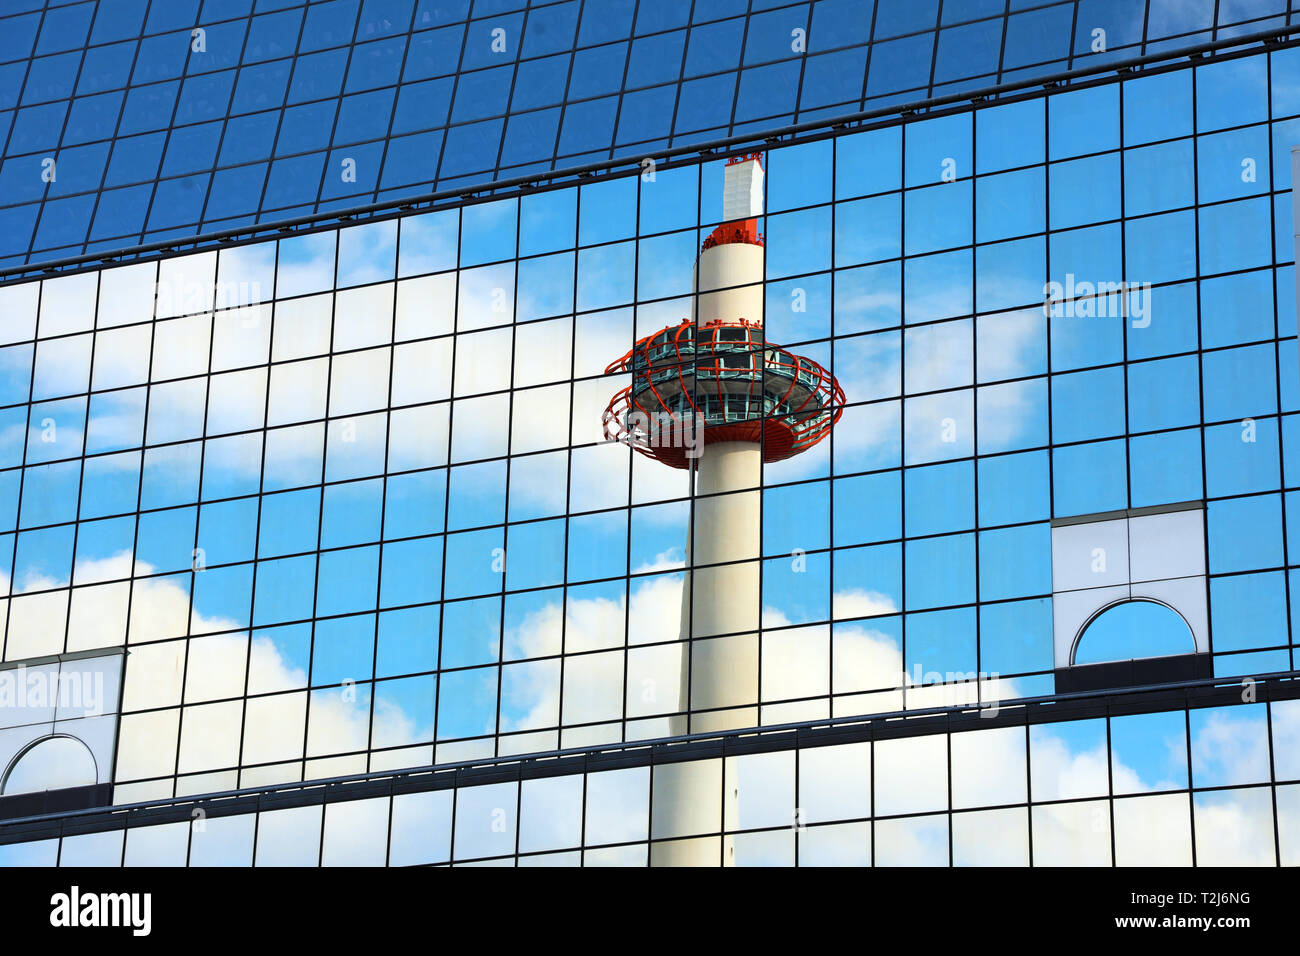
(722, 377)
(726, 379)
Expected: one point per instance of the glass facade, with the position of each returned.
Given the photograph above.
(348, 500)
(1138, 788)
(129, 121)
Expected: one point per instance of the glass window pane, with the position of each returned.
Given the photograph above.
(1229, 745)
(1288, 824)
(618, 806)
(222, 841)
(912, 841)
(92, 849)
(911, 775)
(1072, 834)
(421, 828)
(687, 798)
(356, 833)
(988, 768)
(631, 855)
(844, 844)
(485, 820)
(834, 784)
(550, 813)
(1068, 760)
(1148, 752)
(289, 837)
(760, 791)
(39, 853)
(1153, 831)
(991, 838)
(163, 845)
(770, 848)
(1234, 827)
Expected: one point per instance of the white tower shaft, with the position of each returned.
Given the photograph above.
(721, 593)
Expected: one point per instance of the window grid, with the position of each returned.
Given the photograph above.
(1269, 723)
(804, 487)
(272, 206)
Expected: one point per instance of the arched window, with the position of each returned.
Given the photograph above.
(52, 763)
(1133, 630)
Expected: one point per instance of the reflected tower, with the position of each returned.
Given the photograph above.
(711, 395)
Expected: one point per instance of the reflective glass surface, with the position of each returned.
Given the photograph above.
(125, 122)
(749, 811)
(352, 500)
(347, 498)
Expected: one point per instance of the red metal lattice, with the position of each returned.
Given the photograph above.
(674, 369)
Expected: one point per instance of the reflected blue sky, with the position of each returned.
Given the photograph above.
(329, 420)
(158, 133)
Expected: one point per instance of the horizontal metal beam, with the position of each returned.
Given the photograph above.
(1280, 685)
